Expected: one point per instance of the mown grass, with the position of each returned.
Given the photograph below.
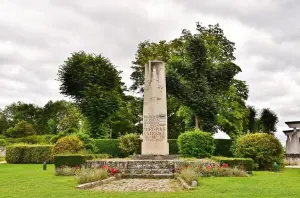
(30, 181)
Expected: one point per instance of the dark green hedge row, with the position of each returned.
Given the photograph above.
(29, 154)
(246, 163)
(222, 147)
(73, 160)
(111, 146)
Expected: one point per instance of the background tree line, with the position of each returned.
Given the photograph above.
(202, 92)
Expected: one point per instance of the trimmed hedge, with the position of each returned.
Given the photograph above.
(33, 139)
(109, 146)
(223, 147)
(29, 154)
(246, 163)
(173, 147)
(72, 160)
(196, 144)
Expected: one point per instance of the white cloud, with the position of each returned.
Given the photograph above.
(37, 36)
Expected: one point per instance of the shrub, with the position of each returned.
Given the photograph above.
(86, 175)
(3, 142)
(28, 154)
(223, 147)
(67, 132)
(223, 170)
(241, 163)
(173, 146)
(89, 143)
(68, 144)
(189, 175)
(196, 144)
(263, 148)
(130, 144)
(109, 146)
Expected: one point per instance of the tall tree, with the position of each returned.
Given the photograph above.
(95, 85)
(199, 64)
(252, 124)
(30, 113)
(233, 113)
(4, 124)
(268, 120)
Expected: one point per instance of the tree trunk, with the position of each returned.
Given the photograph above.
(196, 122)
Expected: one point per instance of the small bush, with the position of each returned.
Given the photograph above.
(3, 142)
(67, 132)
(28, 154)
(68, 144)
(196, 144)
(241, 163)
(189, 175)
(263, 148)
(109, 146)
(89, 143)
(86, 175)
(130, 144)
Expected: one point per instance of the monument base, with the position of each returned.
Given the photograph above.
(155, 148)
(154, 157)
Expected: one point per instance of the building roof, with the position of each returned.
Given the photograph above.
(292, 122)
(288, 131)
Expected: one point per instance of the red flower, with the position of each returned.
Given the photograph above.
(77, 166)
(104, 167)
(224, 165)
(209, 167)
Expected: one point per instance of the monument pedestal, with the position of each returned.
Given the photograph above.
(155, 148)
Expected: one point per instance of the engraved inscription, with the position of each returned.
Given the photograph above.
(154, 128)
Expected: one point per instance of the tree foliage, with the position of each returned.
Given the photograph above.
(95, 85)
(268, 120)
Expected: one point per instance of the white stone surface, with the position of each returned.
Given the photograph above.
(155, 140)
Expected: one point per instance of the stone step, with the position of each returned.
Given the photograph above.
(149, 176)
(148, 171)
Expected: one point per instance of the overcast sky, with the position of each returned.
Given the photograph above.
(36, 36)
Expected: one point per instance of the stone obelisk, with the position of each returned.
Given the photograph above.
(154, 139)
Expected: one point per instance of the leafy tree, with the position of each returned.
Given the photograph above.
(233, 113)
(95, 85)
(22, 129)
(252, 121)
(268, 120)
(4, 124)
(19, 111)
(199, 69)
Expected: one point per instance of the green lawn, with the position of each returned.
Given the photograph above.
(29, 181)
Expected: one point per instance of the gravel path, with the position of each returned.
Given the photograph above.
(146, 185)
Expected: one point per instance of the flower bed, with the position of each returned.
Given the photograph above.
(86, 175)
(194, 171)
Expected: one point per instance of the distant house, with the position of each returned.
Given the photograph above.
(293, 139)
